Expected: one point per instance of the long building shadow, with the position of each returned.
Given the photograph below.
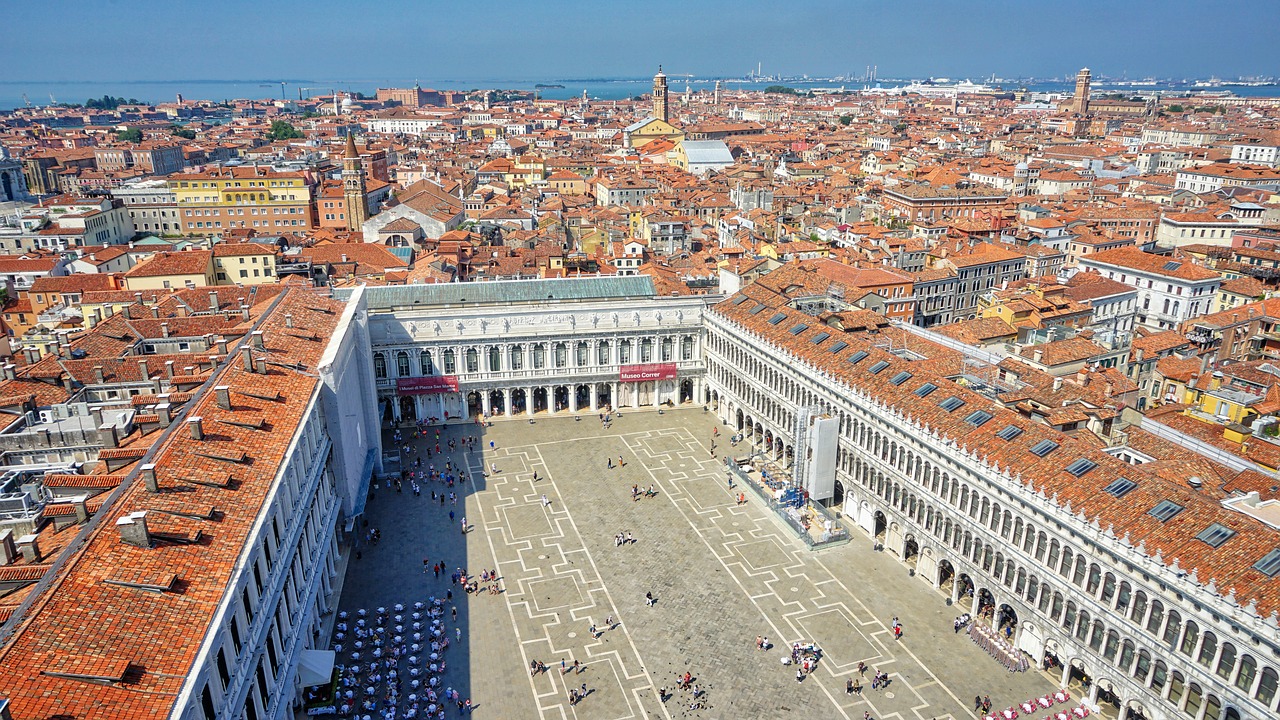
(403, 581)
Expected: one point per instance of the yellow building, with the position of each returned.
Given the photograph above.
(244, 264)
(172, 270)
(645, 131)
(211, 202)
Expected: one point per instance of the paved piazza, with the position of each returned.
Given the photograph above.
(722, 574)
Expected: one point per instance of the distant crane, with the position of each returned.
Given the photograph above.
(301, 89)
(52, 100)
(26, 100)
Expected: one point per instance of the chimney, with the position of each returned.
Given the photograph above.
(1037, 355)
(33, 356)
(168, 368)
(344, 257)
(288, 320)
(164, 412)
(224, 396)
(137, 297)
(164, 329)
(261, 366)
(8, 551)
(196, 425)
(107, 435)
(96, 414)
(155, 311)
(1057, 383)
(98, 375)
(149, 477)
(142, 368)
(247, 354)
(222, 346)
(29, 546)
(133, 529)
(244, 313)
(213, 301)
(10, 371)
(257, 340)
(82, 508)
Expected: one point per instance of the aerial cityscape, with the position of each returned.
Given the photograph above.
(484, 367)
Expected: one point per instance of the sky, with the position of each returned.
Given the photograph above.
(435, 40)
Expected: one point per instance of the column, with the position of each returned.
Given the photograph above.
(613, 394)
(595, 397)
(1066, 673)
(485, 405)
(657, 393)
(506, 406)
(528, 400)
(551, 399)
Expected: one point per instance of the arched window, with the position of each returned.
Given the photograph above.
(379, 366)
(402, 363)
(686, 347)
(450, 362)
(1208, 650)
(1078, 578)
(1126, 654)
(1172, 629)
(1248, 671)
(428, 367)
(560, 355)
(1095, 637)
(1082, 627)
(646, 350)
(1159, 676)
(473, 360)
(495, 358)
(1177, 687)
(602, 353)
(1113, 643)
(1189, 639)
(624, 351)
(1144, 665)
(1157, 617)
(1267, 687)
(516, 356)
(1139, 606)
(1227, 662)
(582, 354)
(1065, 570)
(1195, 697)
(668, 349)
(1095, 577)
(1068, 618)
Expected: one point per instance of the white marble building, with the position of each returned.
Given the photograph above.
(533, 346)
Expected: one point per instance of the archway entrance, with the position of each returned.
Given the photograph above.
(965, 586)
(497, 402)
(910, 552)
(539, 400)
(741, 423)
(880, 525)
(986, 604)
(561, 398)
(946, 577)
(838, 498)
(686, 391)
(604, 396)
(1078, 681)
(1007, 621)
(475, 405)
(408, 409)
(582, 396)
(1135, 711)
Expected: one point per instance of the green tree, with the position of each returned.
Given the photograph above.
(281, 130)
(182, 132)
(1175, 108)
(132, 135)
(846, 119)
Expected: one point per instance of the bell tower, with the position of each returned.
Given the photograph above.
(1080, 103)
(660, 95)
(353, 188)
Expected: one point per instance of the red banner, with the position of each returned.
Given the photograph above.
(645, 373)
(427, 385)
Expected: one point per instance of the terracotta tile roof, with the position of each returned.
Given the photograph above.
(140, 646)
(1231, 566)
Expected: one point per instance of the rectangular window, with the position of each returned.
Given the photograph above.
(900, 378)
(1164, 510)
(798, 328)
(777, 318)
(1269, 565)
(817, 339)
(838, 346)
(1043, 448)
(1081, 466)
(878, 367)
(1009, 432)
(978, 418)
(1216, 534)
(925, 389)
(951, 404)
(1120, 487)
(857, 357)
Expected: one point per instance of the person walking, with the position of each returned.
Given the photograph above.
(648, 599)
(545, 501)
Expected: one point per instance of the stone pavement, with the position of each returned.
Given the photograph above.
(721, 573)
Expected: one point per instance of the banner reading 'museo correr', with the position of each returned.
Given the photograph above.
(645, 373)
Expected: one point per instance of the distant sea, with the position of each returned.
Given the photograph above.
(41, 92)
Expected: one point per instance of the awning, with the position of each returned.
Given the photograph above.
(315, 667)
